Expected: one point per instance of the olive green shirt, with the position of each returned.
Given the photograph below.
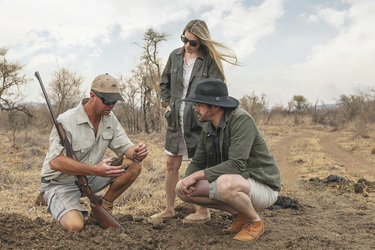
(87, 147)
(243, 151)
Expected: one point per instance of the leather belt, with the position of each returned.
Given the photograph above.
(45, 181)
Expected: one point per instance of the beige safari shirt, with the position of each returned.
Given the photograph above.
(87, 147)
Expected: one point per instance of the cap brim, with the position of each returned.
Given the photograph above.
(111, 97)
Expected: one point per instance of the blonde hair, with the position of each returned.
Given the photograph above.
(218, 51)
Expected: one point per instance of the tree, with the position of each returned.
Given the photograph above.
(11, 97)
(64, 89)
(127, 112)
(10, 94)
(298, 104)
(359, 109)
(254, 104)
(148, 74)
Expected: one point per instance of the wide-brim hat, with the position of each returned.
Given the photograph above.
(108, 87)
(214, 92)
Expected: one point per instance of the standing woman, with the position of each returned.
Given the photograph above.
(199, 58)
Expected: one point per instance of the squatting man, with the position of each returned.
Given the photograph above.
(91, 127)
(232, 169)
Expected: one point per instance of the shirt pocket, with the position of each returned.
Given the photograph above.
(107, 138)
(81, 148)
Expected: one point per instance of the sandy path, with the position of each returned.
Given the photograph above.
(355, 165)
(280, 152)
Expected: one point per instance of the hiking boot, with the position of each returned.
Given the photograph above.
(238, 222)
(250, 231)
(107, 205)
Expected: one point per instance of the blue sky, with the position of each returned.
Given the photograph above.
(320, 49)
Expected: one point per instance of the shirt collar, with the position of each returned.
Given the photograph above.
(211, 128)
(81, 114)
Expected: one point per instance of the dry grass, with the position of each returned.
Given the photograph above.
(20, 168)
(361, 146)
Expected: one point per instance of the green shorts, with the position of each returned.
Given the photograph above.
(261, 195)
(62, 198)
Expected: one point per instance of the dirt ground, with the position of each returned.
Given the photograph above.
(324, 206)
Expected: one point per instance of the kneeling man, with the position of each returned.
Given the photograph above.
(232, 169)
(91, 127)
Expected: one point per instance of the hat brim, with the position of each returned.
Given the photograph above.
(226, 101)
(111, 97)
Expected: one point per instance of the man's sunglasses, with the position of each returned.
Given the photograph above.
(104, 101)
(192, 42)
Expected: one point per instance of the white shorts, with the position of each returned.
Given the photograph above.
(261, 195)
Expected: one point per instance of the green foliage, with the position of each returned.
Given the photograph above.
(299, 103)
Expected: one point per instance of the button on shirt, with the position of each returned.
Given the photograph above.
(212, 131)
(87, 147)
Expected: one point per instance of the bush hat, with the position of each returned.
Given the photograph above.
(108, 87)
(214, 92)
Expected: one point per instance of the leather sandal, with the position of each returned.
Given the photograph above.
(158, 218)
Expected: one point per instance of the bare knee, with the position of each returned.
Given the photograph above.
(75, 226)
(173, 163)
(227, 187)
(72, 221)
(135, 170)
(179, 193)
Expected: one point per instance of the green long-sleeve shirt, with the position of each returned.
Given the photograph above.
(242, 151)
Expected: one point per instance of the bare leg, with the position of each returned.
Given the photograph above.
(122, 182)
(171, 179)
(200, 197)
(72, 221)
(233, 190)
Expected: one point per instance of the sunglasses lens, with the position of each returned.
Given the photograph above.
(193, 43)
(184, 39)
(105, 102)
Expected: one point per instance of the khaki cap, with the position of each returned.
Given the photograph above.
(108, 87)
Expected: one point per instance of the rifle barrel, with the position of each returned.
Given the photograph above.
(37, 75)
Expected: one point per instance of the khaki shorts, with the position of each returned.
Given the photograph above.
(62, 198)
(261, 195)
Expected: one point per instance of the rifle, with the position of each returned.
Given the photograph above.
(103, 217)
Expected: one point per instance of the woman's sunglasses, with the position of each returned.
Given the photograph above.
(192, 42)
(104, 101)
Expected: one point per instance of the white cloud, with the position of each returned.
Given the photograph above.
(333, 17)
(92, 36)
(345, 62)
(244, 26)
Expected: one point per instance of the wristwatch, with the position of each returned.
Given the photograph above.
(135, 159)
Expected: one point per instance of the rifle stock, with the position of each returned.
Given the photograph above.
(103, 217)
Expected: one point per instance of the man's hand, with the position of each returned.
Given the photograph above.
(188, 183)
(104, 169)
(140, 152)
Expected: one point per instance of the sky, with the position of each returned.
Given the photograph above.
(320, 49)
